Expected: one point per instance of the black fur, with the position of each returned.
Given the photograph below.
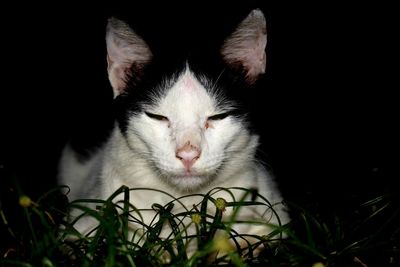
(229, 83)
(201, 53)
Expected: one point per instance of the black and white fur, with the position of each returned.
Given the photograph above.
(177, 129)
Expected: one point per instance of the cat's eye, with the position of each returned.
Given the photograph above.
(217, 117)
(156, 116)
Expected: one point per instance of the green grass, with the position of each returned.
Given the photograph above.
(34, 233)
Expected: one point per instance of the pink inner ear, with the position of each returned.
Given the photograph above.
(254, 62)
(125, 50)
(117, 78)
(246, 46)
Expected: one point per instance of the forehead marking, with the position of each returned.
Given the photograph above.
(189, 82)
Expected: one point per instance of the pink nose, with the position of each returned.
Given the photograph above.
(188, 154)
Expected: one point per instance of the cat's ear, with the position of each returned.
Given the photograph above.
(244, 49)
(127, 54)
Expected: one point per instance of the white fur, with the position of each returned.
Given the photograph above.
(146, 157)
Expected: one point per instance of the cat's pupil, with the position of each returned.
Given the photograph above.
(218, 116)
(156, 116)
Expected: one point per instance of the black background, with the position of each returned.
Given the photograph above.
(326, 109)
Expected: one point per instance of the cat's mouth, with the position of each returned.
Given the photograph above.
(189, 174)
(182, 174)
(189, 180)
(187, 177)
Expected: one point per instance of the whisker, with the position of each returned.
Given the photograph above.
(219, 76)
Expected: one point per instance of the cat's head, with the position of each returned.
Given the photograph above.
(183, 123)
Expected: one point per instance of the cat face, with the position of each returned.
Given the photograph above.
(186, 131)
(187, 134)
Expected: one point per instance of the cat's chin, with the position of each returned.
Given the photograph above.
(188, 182)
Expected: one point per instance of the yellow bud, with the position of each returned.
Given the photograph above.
(25, 201)
(196, 218)
(318, 264)
(222, 244)
(220, 203)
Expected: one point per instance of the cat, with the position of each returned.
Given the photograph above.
(180, 129)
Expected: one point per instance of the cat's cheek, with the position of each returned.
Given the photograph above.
(214, 142)
(153, 134)
(221, 134)
(162, 141)
(156, 131)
